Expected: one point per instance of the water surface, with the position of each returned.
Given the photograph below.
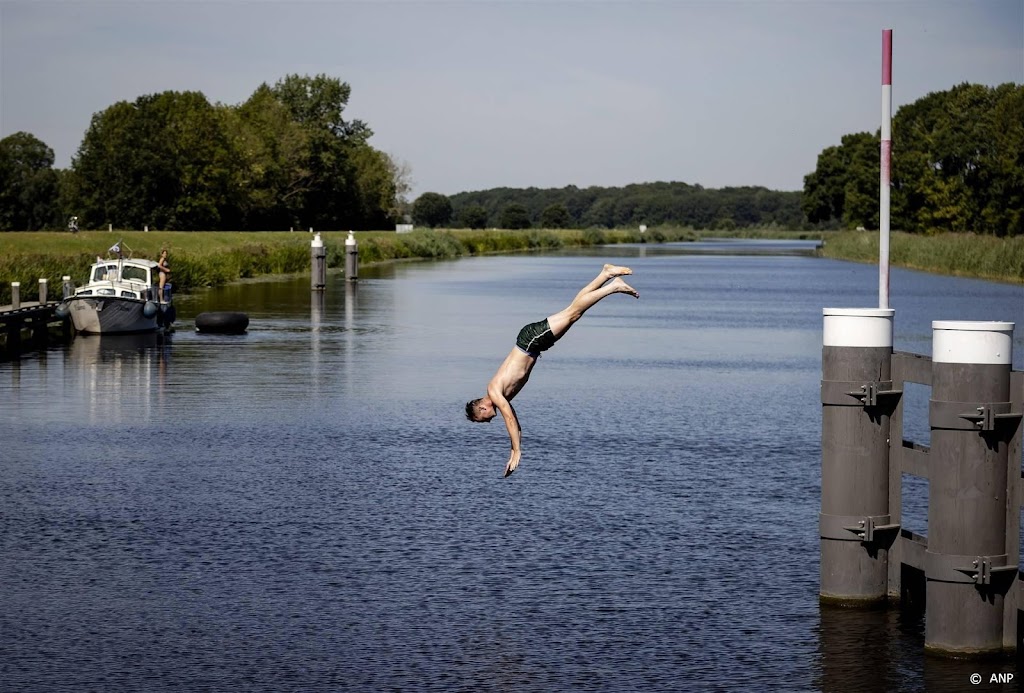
(305, 507)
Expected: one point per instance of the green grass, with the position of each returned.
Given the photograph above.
(201, 259)
(960, 254)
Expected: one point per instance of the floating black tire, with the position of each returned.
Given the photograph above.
(222, 322)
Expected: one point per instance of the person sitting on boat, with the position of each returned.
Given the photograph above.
(165, 273)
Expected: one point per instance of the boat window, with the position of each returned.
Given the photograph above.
(129, 294)
(136, 273)
(106, 292)
(108, 273)
(84, 292)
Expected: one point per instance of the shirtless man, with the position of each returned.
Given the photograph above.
(533, 339)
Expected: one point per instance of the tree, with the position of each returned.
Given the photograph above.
(318, 103)
(555, 216)
(273, 172)
(28, 184)
(162, 161)
(285, 157)
(375, 184)
(644, 203)
(401, 177)
(331, 195)
(844, 185)
(473, 217)
(305, 165)
(601, 213)
(957, 165)
(1001, 177)
(514, 216)
(431, 209)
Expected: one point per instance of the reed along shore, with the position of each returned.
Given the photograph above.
(958, 254)
(213, 258)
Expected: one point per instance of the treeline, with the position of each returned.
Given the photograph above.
(652, 204)
(287, 157)
(957, 165)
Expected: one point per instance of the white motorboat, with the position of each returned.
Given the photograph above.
(121, 297)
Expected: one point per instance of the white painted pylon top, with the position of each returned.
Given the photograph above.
(858, 327)
(968, 341)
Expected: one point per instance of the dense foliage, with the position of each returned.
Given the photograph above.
(432, 209)
(286, 157)
(28, 183)
(957, 165)
(644, 203)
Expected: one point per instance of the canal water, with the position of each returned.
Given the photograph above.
(304, 507)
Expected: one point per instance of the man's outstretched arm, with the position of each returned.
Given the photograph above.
(514, 431)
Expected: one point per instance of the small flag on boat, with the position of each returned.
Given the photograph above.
(115, 249)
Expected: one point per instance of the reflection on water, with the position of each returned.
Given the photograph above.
(304, 506)
(119, 377)
(880, 650)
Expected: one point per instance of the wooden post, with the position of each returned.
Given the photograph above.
(15, 295)
(856, 399)
(42, 291)
(68, 288)
(966, 563)
(351, 258)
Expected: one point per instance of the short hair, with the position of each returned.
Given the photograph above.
(471, 409)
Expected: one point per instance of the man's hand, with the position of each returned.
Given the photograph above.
(513, 462)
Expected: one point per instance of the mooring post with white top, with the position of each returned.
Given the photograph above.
(15, 295)
(971, 423)
(857, 400)
(318, 254)
(67, 286)
(42, 291)
(886, 171)
(351, 258)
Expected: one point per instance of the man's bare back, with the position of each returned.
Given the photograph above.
(534, 338)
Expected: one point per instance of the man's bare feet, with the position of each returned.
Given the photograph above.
(616, 271)
(621, 287)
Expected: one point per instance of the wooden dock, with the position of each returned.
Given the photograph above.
(29, 326)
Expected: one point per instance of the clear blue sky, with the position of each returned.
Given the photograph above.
(475, 95)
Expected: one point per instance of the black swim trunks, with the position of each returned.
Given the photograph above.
(536, 337)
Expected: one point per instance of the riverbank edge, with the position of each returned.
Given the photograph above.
(210, 259)
(953, 254)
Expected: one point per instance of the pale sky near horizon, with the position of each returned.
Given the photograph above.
(476, 95)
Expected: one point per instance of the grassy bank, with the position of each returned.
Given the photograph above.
(202, 259)
(965, 255)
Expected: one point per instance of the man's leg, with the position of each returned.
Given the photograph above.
(593, 292)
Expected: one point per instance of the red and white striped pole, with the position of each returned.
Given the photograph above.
(883, 198)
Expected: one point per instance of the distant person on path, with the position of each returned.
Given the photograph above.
(165, 272)
(533, 339)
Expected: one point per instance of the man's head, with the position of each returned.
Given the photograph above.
(480, 410)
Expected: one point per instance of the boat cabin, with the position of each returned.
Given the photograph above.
(136, 279)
